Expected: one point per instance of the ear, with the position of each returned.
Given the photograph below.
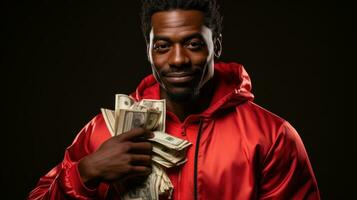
(218, 46)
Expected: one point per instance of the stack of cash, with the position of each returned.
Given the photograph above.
(168, 151)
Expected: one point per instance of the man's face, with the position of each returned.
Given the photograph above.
(181, 52)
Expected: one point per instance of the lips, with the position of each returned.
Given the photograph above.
(179, 78)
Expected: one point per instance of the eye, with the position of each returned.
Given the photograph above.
(195, 44)
(161, 46)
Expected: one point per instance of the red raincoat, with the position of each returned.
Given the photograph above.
(240, 150)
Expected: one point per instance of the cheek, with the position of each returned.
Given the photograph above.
(159, 61)
(199, 58)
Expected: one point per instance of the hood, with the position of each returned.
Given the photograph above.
(232, 87)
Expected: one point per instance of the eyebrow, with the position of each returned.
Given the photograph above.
(194, 35)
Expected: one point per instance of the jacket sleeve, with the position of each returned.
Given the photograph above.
(63, 181)
(287, 172)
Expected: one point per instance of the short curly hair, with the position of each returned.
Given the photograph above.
(210, 8)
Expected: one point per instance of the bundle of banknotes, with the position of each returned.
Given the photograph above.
(168, 151)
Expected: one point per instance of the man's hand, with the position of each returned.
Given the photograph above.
(123, 157)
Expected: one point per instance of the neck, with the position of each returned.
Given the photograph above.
(182, 109)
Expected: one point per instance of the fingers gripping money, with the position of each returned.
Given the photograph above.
(168, 151)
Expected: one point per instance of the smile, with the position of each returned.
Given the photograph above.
(179, 78)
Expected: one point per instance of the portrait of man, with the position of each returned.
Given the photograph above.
(190, 125)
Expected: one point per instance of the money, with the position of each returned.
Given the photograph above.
(168, 154)
(168, 151)
(159, 105)
(129, 119)
(170, 148)
(165, 163)
(122, 101)
(152, 120)
(170, 141)
(147, 190)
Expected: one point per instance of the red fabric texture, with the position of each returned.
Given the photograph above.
(244, 151)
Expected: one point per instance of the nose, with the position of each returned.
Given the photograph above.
(178, 56)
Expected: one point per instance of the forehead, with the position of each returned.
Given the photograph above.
(177, 22)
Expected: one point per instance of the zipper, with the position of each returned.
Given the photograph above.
(183, 133)
(195, 177)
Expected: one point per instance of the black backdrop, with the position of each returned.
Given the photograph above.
(62, 61)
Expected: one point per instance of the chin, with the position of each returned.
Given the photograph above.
(182, 94)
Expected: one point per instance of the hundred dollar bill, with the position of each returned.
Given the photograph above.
(159, 105)
(130, 119)
(122, 101)
(149, 189)
(165, 163)
(166, 186)
(158, 183)
(170, 155)
(170, 141)
(153, 119)
(162, 162)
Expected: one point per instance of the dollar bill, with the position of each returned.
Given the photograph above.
(170, 155)
(159, 105)
(157, 183)
(170, 141)
(147, 190)
(123, 101)
(129, 119)
(152, 120)
(166, 163)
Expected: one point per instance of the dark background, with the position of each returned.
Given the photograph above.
(62, 61)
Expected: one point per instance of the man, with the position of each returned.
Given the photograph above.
(239, 151)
